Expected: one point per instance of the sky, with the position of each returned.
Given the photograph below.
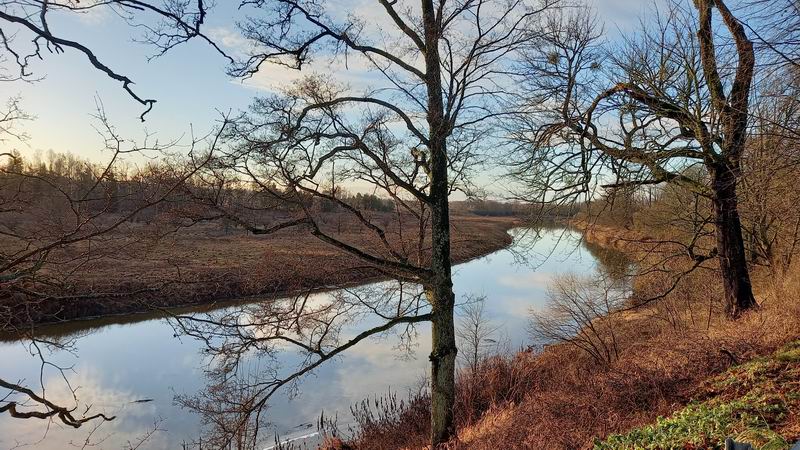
(190, 83)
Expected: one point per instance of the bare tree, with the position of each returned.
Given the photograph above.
(54, 222)
(443, 70)
(578, 313)
(19, 400)
(775, 25)
(770, 164)
(55, 219)
(476, 333)
(37, 242)
(678, 100)
(10, 118)
(26, 33)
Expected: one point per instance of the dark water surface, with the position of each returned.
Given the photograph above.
(133, 366)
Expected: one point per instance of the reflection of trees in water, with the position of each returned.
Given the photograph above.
(527, 248)
(257, 350)
(611, 262)
(75, 329)
(579, 313)
(536, 242)
(237, 335)
(580, 305)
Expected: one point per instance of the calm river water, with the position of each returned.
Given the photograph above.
(133, 367)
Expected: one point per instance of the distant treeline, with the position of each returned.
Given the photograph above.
(59, 183)
(494, 208)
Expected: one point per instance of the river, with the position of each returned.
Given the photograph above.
(133, 367)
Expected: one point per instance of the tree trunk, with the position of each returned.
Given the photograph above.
(439, 288)
(441, 297)
(443, 364)
(440, 292)
(730, 244)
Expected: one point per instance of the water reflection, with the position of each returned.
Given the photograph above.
(613, 263)
(122, 360)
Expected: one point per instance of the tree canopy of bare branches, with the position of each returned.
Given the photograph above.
(56, 217)
(26, 34)
(669, 100)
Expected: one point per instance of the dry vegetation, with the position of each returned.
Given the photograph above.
(158, 266)
(671, 341)
(663, 358)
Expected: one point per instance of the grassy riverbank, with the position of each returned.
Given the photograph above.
(677, 358)
(757, 402)
(203, 264)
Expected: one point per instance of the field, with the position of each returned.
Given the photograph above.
(159, 267)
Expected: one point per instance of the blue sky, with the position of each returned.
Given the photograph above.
(190, 82)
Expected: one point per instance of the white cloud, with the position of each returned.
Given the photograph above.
(532, 280)
(351, 69)
(133, 419)
(231, 40)
(354, 72)
(93, 16)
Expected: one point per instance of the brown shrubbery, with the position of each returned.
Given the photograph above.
(392, 422)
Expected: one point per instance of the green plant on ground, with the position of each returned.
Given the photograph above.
(747, 403)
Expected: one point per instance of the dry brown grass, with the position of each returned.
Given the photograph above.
(202, 264)
(573, 400)
(667, 350)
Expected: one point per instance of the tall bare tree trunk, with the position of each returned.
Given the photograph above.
(730, 244)
(734, 115)
(441, 296)
(443, 362)
(440, 288)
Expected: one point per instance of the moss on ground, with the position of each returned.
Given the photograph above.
(757, 402)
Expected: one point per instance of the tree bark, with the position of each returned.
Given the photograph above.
(733, 113)
(730, 244)
(439, 288)
(443, 363)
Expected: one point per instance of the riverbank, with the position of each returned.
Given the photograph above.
(756, 402)
(666, 354)
(200, 266)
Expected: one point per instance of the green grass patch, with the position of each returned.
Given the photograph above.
(746, 403)
(790, 353)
